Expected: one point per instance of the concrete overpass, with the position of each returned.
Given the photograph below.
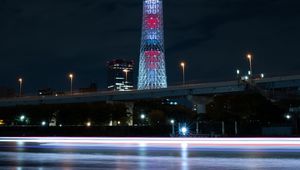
(191, 90)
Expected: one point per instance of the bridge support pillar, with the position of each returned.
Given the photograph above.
(199, 105)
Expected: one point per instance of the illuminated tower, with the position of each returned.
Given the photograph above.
(152, 70)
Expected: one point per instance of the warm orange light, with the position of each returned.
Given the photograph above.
(249, 56)
(71, 75)
(126, 70)
(20, 80)
(182, 64)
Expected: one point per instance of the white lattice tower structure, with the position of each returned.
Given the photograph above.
(152, 70)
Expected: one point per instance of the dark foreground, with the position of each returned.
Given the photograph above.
(149, 153)
(71, 131)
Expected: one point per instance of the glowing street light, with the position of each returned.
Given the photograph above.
(20, 86)
(182, 64)
(43, 123)
(172, 121)
(126, 74)
(288, 116)
(250, 58)
(143, 117)
(71, 76)
(262, 75)
(22, 118)
(88, 124)
(238, 72)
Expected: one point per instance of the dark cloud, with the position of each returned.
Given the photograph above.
(44, 40)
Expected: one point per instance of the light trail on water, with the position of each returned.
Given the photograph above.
(183, 143)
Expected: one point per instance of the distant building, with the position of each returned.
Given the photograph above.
(120, 75)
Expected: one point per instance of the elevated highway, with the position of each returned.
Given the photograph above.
(203, 89)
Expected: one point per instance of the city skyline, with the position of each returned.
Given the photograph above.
(81, 37)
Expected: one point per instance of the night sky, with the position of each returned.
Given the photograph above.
(44, 40)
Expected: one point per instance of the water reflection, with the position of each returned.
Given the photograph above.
(142, 152)
(44, 156)
(184, 156)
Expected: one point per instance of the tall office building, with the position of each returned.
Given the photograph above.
(120, 75)
(152, 71)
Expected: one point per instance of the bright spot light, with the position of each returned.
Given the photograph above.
(249, 72)
(60, 125)
(22, 117)
(237, 71)
(43, 123)
(288, 116)
(184, 131)
(88, 124)
(119, 122)
(172, 121)
(143, 116)
(262, 75)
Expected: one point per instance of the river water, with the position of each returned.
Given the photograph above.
(43, 155)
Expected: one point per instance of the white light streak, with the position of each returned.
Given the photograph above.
(165, 142)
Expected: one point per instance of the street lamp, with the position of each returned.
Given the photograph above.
(20, 86)
(250, 58)
(182, 64)
(172, 121)
(143, 116)
(126, 74)
(238, 75)
(71, 76)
